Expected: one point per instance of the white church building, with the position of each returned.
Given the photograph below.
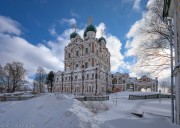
(87, 68)
(86, 65)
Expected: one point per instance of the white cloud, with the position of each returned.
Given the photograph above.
(15, 48)
(7, 25)
(136, 4)
(73, 14)
(51, 57)
(114, 45)
(52, 31)
(69, 21)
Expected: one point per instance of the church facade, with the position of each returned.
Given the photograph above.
(87, 68)
(86, 65)
(123, 82)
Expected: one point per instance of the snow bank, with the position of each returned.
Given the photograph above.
(63, 111)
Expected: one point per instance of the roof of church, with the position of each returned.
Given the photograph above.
(102, 38)
(73, 35)
(89, 28)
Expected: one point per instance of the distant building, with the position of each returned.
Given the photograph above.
(86, 65)
(122, 82)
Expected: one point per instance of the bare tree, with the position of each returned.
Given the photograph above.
(11, 75)
(16, 72)
(153, 52)
(40, 79)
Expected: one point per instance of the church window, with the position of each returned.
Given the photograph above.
(57, 79)
(92, 62)
(102, 89)
(87, 76)
(82, 66)
(69, 55)
(93, 75)
(86, 50)
(89, 88)
(75, 77)
(69, 77)
(86, 65)
(76, 65)
(77, 53)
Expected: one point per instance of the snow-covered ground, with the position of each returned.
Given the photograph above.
(63, 111)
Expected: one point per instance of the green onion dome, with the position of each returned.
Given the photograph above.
(89, 28)
(102, 38)
(73, 35)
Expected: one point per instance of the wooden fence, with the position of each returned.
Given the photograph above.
(15, 98)
(92, 98)
(153, 96)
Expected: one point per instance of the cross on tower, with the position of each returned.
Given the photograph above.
(90, 20)
(75, 27)
(102, 32)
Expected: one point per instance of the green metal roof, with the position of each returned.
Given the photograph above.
(89, 28)
(102, 38)
(73, 35)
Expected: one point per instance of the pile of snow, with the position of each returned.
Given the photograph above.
(47, 111)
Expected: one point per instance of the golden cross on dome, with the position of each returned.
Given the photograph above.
(75, 27)
(90, 20)
(102, 32)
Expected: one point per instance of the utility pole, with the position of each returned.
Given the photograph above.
(96, 82)
(71, 81)
(172, 81)
(82, 82)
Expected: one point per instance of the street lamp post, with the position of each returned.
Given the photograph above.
(96, 82)
(106, 82)
(71, 81)
(62, 81)
(172, 81)
(169, 22)
(112, 82)
(82, 82)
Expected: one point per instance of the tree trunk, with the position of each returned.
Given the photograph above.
(13, 89)
(51, 86)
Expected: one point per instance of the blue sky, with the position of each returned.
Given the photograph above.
(35, 32)
(37, 16)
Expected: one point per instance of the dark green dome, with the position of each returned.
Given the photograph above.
(73, 35)
(102, 38)
(89, 28)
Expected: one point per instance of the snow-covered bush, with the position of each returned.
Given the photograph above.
(96, 106)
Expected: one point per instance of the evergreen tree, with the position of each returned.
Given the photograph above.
(50, 79)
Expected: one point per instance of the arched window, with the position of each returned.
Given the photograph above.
(114, 81)
(119, 81)
(86, 50)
